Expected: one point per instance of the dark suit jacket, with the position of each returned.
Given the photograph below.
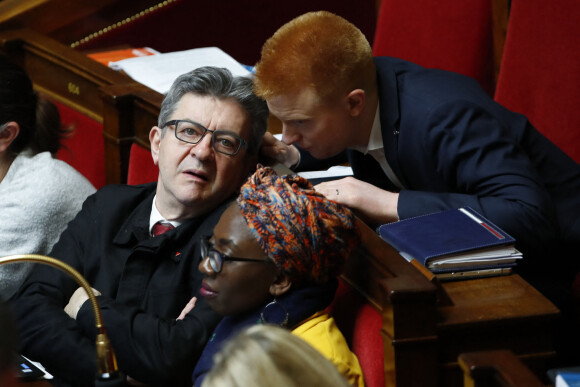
(145, 283)
(451, 145)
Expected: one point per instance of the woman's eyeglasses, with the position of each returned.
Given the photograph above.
(217, 259)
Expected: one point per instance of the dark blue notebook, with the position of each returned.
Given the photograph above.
(452, 240)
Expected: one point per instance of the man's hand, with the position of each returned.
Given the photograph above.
(187, 308)
(278, 151)
(372, 204)
(77, 300)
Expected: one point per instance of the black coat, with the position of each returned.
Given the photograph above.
(145, 283)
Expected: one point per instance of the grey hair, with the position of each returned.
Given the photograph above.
(219, 83)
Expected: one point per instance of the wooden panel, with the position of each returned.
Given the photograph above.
(68, 20)
(494, 313)
(60, 72)
(46, 15)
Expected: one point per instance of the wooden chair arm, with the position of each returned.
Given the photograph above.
(500, 368)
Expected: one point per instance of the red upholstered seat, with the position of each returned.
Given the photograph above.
(85, 148)
(445, 34)
(141, 167)
(361, 325)
(540, 70)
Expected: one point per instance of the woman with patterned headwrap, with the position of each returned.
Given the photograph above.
(274, 258)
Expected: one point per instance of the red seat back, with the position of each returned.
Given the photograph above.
(85, 148)
(540, 70)
(444, 34)
(361, 325)
(141, 167)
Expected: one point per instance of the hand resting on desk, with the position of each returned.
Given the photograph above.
(372, 204)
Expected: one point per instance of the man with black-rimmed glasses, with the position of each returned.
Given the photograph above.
(205, 145)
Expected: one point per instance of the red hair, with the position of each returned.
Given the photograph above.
(319, 50)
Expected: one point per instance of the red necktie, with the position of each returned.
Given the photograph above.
(161, 228)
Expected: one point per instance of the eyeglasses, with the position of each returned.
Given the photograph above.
(217, 259)
(222, 141)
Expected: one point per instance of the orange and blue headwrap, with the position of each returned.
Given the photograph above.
(301, 231)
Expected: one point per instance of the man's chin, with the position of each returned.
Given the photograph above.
(185, 204)
(321, 154)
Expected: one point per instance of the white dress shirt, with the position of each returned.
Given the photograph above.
(377, 151)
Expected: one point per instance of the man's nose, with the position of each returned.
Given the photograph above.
(204, 148)
(288, 135)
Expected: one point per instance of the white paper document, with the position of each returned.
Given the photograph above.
(336, 171)
(159, 71)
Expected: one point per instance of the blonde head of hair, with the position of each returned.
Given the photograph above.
(319, 50)
(265, 355)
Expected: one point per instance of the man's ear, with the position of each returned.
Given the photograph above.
(356, 102)
(155, 140)
(281, 285)
(8, 135)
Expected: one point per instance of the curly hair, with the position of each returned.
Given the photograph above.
(302, 232)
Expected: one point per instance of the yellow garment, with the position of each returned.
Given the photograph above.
(321, 332)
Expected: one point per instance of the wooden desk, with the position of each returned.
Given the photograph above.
(494, 313)
(426, 325)
(483, 314)
(499, 368)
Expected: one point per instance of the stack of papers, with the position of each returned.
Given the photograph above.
(159, 71)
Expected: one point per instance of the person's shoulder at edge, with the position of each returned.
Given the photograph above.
(43, 169)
